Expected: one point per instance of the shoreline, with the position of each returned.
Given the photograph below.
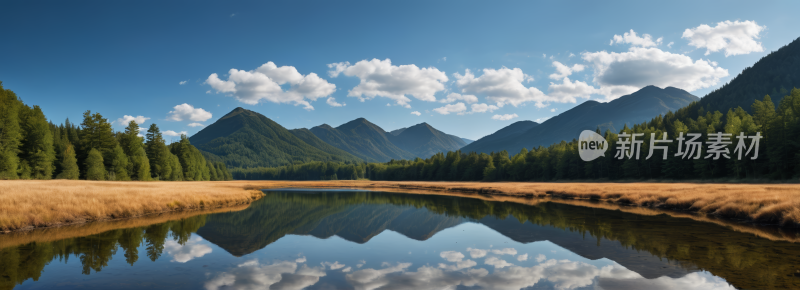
(680, 200)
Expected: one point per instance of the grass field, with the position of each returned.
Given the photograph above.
(34, 204)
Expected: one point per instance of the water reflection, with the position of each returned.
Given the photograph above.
(248, 249)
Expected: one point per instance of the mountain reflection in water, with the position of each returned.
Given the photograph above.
(337, 239)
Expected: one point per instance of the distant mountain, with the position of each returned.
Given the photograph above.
(244, 138)
(362, 139)
(467, 141)
(397, 132)
(311, 139)
(425, 141)
(774, 75)
(638, 107)
(496, 138)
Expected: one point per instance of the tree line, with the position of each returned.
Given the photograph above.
(778, 154)
(33, 148)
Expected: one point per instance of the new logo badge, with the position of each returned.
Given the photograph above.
(591, 145)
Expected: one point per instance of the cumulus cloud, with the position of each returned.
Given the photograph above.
(331, 101)
(453, 97)
(504, 117)
(182, 82)
(631, 38)
(503, 86)
(301, 259)
(563, 71)
(497, 262)
(173, 133)
(254, 275)
(623, 73)
(540, 258)
(192, 249)
(125, 120)
(264, 83)
(458, 108)
(569, 91)
(504, 251)
(416, 113)
(196, 125)
(334, 265)
(452, 256)
(737, 37)
(522, 257)
(480, 108)
(476, 253)
(186, 112)
(381, 78)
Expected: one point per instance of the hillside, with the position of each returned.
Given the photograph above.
(311, 139)
(425, 141)
(638, 107)
(397, 132)
(490, 141)
(362, 139)
(244, 138)
(774, 75)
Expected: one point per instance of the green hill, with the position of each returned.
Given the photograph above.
(362, 139)
(425, 141)
(775, 75)
(244, 138)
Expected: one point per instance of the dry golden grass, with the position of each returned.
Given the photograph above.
(26, 204)
(32, 204)
(761, 203)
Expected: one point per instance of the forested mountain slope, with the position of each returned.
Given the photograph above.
(363, 139)
(424, 141)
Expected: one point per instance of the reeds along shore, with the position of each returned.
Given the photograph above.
(26, 204)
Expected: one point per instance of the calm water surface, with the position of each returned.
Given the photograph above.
(373, 240)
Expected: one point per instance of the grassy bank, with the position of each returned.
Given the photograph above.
(33, 204)
(777, 204)
(26, 204)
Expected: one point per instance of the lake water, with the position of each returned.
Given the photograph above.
(343, 239)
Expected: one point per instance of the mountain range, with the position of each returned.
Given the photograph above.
(638, 107)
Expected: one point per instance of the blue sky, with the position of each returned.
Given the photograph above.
(150, 58)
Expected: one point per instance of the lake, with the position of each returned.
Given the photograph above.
(349, 239)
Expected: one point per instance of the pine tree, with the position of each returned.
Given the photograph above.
(119, 164)
(69, 165)
(140, 165)
(154, 147)
(37, 146)
(95, 170)
(10, 135)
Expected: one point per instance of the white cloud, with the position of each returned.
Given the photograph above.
(192, 249)
(141, 130)
(173, 133)
(459, 265)
(347, 270)
(452, 256)
(416, 113)
(623, 73)
(186, 112)
(476, 253)
(540, 258)
(563, 71)
(497, 262)
(125, 120)
(452, 97)
(669, 45)
(568, 91)
(264, 83)
(196, 125)
(334, 265)
(737, 37)
(458, 108)
(541, 120)
(182, 82)
(631, 38)
(331, 101)
(505, 251)
(553, 110)
(253, 275)
(381, 78)
(301, 259)
(522, 257)
(504, 117)
(503, 86)
(480, 108)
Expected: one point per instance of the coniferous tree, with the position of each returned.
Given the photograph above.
(140, 165)
(95, 169)
(154, 147)
(119, 164)
(37, 146)
(69, 165)
(10, 135)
